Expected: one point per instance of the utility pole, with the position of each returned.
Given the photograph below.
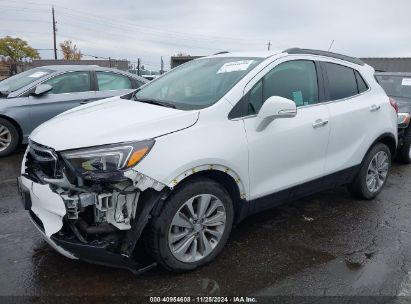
(269, 45)
(162, 66)
(331, 45)
(138, 66)
(54, 33)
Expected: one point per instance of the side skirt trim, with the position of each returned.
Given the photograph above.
(326, 182)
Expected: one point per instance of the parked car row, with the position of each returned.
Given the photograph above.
(171, 166)
(398, 86)
(30, 98)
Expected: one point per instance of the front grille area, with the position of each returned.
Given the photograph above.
(42, 158)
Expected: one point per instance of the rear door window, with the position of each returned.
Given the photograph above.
(342, 81)
(111, 81)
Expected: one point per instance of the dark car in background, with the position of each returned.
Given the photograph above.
(34, 96)
(398, 86)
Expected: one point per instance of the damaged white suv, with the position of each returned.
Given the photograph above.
(170, 168)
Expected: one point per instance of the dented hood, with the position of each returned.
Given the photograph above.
(108, 121)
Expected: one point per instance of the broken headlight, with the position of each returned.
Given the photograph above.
(107, 158)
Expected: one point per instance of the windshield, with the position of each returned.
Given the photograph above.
(18, 81)
(395, 86)
(198, 83)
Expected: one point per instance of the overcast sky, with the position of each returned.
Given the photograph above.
(134, 29)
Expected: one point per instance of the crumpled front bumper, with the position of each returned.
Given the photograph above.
(46, 210)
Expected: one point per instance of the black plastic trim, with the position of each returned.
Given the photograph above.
(322, 82)
(93, 81)
(98, 253)
(326, 54)
(326, 182)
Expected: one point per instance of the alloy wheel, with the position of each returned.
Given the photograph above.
(377, 171)
(5, 138)
(197, 228)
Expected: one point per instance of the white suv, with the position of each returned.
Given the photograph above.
(198, 149)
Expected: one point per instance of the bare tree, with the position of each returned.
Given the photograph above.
(70, 51)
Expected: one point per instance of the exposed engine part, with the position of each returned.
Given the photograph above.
(72, 204)
(100, 229)
(76, 232)
(117, 207)
(63, 183)
(103, 200)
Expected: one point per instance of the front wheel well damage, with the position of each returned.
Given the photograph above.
(230, 184)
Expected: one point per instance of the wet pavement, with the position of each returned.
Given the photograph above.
(326, 244)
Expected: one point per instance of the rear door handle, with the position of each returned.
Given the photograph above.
(319, 123)
(374, 108)
(85, 101)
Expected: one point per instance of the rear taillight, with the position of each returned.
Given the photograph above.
(394, 104)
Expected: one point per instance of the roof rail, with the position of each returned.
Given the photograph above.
(223, 52)
(324, 53)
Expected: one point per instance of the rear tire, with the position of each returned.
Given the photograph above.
(183, 245)
(373, 173)
(404, 154)
(9, 137)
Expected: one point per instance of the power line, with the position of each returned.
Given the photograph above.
(154, 31)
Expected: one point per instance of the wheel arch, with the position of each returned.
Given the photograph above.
(226, 177)
(15, 124)
(387, 139)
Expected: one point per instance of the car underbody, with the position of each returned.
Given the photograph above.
(97, 217)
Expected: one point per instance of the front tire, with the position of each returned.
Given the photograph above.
(9, 137)
(193, 226)
(373, 173)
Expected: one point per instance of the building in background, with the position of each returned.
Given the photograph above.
(111, 63)
(179, 60)
(400, 64)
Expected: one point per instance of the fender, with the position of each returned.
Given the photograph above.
(178, 179)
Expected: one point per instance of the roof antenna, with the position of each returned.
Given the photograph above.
(331, 45)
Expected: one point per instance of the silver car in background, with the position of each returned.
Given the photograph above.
(34, 96)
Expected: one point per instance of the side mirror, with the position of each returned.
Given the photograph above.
(275, 107)
(42, 89)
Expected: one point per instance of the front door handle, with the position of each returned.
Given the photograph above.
(319, 123)
(85, 101)
(374, 108)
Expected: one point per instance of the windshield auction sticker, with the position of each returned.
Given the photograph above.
(406, 82)
(38, 74)
(235, 66)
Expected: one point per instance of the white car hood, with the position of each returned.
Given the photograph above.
(109, 121)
